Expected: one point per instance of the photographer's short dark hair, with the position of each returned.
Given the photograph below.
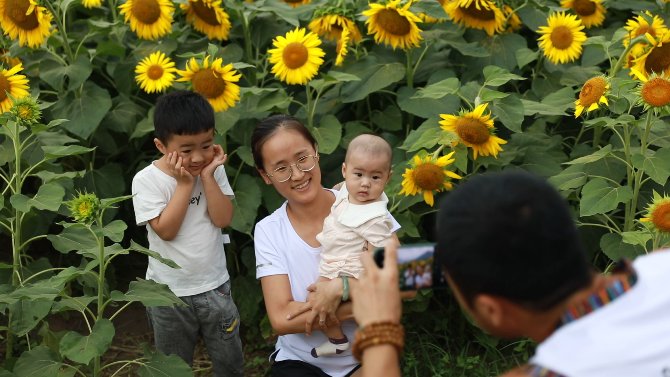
(182, 112)
(511, 234)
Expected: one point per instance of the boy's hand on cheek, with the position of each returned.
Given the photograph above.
(219, 159)
(174, 163)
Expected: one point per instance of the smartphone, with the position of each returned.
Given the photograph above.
(416, 267)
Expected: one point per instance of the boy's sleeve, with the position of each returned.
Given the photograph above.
(222, 180)
(268, 260)
(148, 202)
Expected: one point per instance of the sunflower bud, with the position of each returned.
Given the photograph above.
(26, 111)
(84, 207)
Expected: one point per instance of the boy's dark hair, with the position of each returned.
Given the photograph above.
(511, 234)
(182, 112)
(268, 126)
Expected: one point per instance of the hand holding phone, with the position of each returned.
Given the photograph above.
(416, 266)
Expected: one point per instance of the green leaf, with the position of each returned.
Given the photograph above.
(509, 111)
(426, 136)
(613, 246)
(488, 95)
(149, 293)
(160, 365)
(54, 72)
(438, 89)
(340, 76)
(65, 150)
(599, 196)
(85, 110)
(524, 56)
(568, 180)
(73, 238)
(143, 250)
(656, 166)
(73, 303)
(555, 103)
(247, 200)
(496, 76)
(593, 157)
(28, 314)
(82, 349)
(637, 237)
(375, 77)
(41, 361)
(328, 133)
(389, 120)
(49, 197)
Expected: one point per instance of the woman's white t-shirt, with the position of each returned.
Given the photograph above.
(280, 251)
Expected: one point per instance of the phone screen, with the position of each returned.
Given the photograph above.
(416, 267)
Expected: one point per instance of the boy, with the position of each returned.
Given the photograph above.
(358, 218)
(183, 198)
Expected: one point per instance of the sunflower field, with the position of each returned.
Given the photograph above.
(577, 91)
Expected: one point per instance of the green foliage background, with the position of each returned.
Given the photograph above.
(606, 164)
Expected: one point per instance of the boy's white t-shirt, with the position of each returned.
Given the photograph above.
(280, 251)
(628, 337)
(198, 246)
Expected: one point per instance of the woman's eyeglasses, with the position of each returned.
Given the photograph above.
(304, 163)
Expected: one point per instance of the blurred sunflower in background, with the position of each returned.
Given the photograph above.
(592, 94)
(91, 3)
(214, 81)
(641, 25)
(296, 3)
(12, 85)
(208, 17)
(428, 176)
(658, 213)
(653, 92)
(342, 47)
(591, 12)
(476, 14)
(7, 60)
(26, 21)
(296, 57)
(562, 38)
(513, 21)
(654, 58)
(149, 19)
(393, 25)
(155, 73)
(475, 130)
(330, 23)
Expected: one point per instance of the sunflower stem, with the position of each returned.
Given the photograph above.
(622, 58)
(248, 48)
(437, 151)
(409, 70)
(60, 25)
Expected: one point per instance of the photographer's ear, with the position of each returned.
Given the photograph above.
(489, 310)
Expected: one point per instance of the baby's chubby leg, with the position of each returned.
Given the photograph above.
(337, 341)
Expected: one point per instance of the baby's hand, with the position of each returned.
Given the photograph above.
(174, 164)
(219, 159)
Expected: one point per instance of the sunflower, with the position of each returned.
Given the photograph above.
(13, 84)
(342, 47)
(427, 176)
(155, 73)
(7, 60)
(208, 17)
(513, 20)
(296, 3)
(658, 213)
(475, 130)
(149, 19)
(593, 93)
(591, 12)
(330, 26)
(393, 25)
(655, 58)
(477, 14)
(653, 91)
(296, 57)
(26, 111)
(91, 3)
(84, 208)
(641, 25)
(214, 81)
(562, 38)
(25, 20)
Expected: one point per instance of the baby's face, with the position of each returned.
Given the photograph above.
(365, 175)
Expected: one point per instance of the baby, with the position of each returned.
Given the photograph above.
(358, 218)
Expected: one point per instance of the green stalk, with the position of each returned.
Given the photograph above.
(248, 48)
(409, 69)
(61, 28)
(638, 173)
(101, 286)
(630, 179)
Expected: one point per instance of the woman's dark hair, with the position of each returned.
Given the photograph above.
(182, 112)
(512, 235)
(268, 127)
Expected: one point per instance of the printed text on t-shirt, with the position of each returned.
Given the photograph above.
(196, 199)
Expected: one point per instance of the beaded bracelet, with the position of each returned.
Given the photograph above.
(378, 333)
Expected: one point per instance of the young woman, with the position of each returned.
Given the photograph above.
(288, 254)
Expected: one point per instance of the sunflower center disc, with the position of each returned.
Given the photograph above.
(5, 87)
(147, 11)
(584, 7)
(392, 22)
(659, 59)
(561, 37)
(656, 92)
(472, 131)
(155, 72)
(479, 14)
(295, 55)
(592, 90)
(205, 13)
(16, 11)
(208, 84)
(429, 177)
(661, 217)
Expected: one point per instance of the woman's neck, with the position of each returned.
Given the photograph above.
(316, 210)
